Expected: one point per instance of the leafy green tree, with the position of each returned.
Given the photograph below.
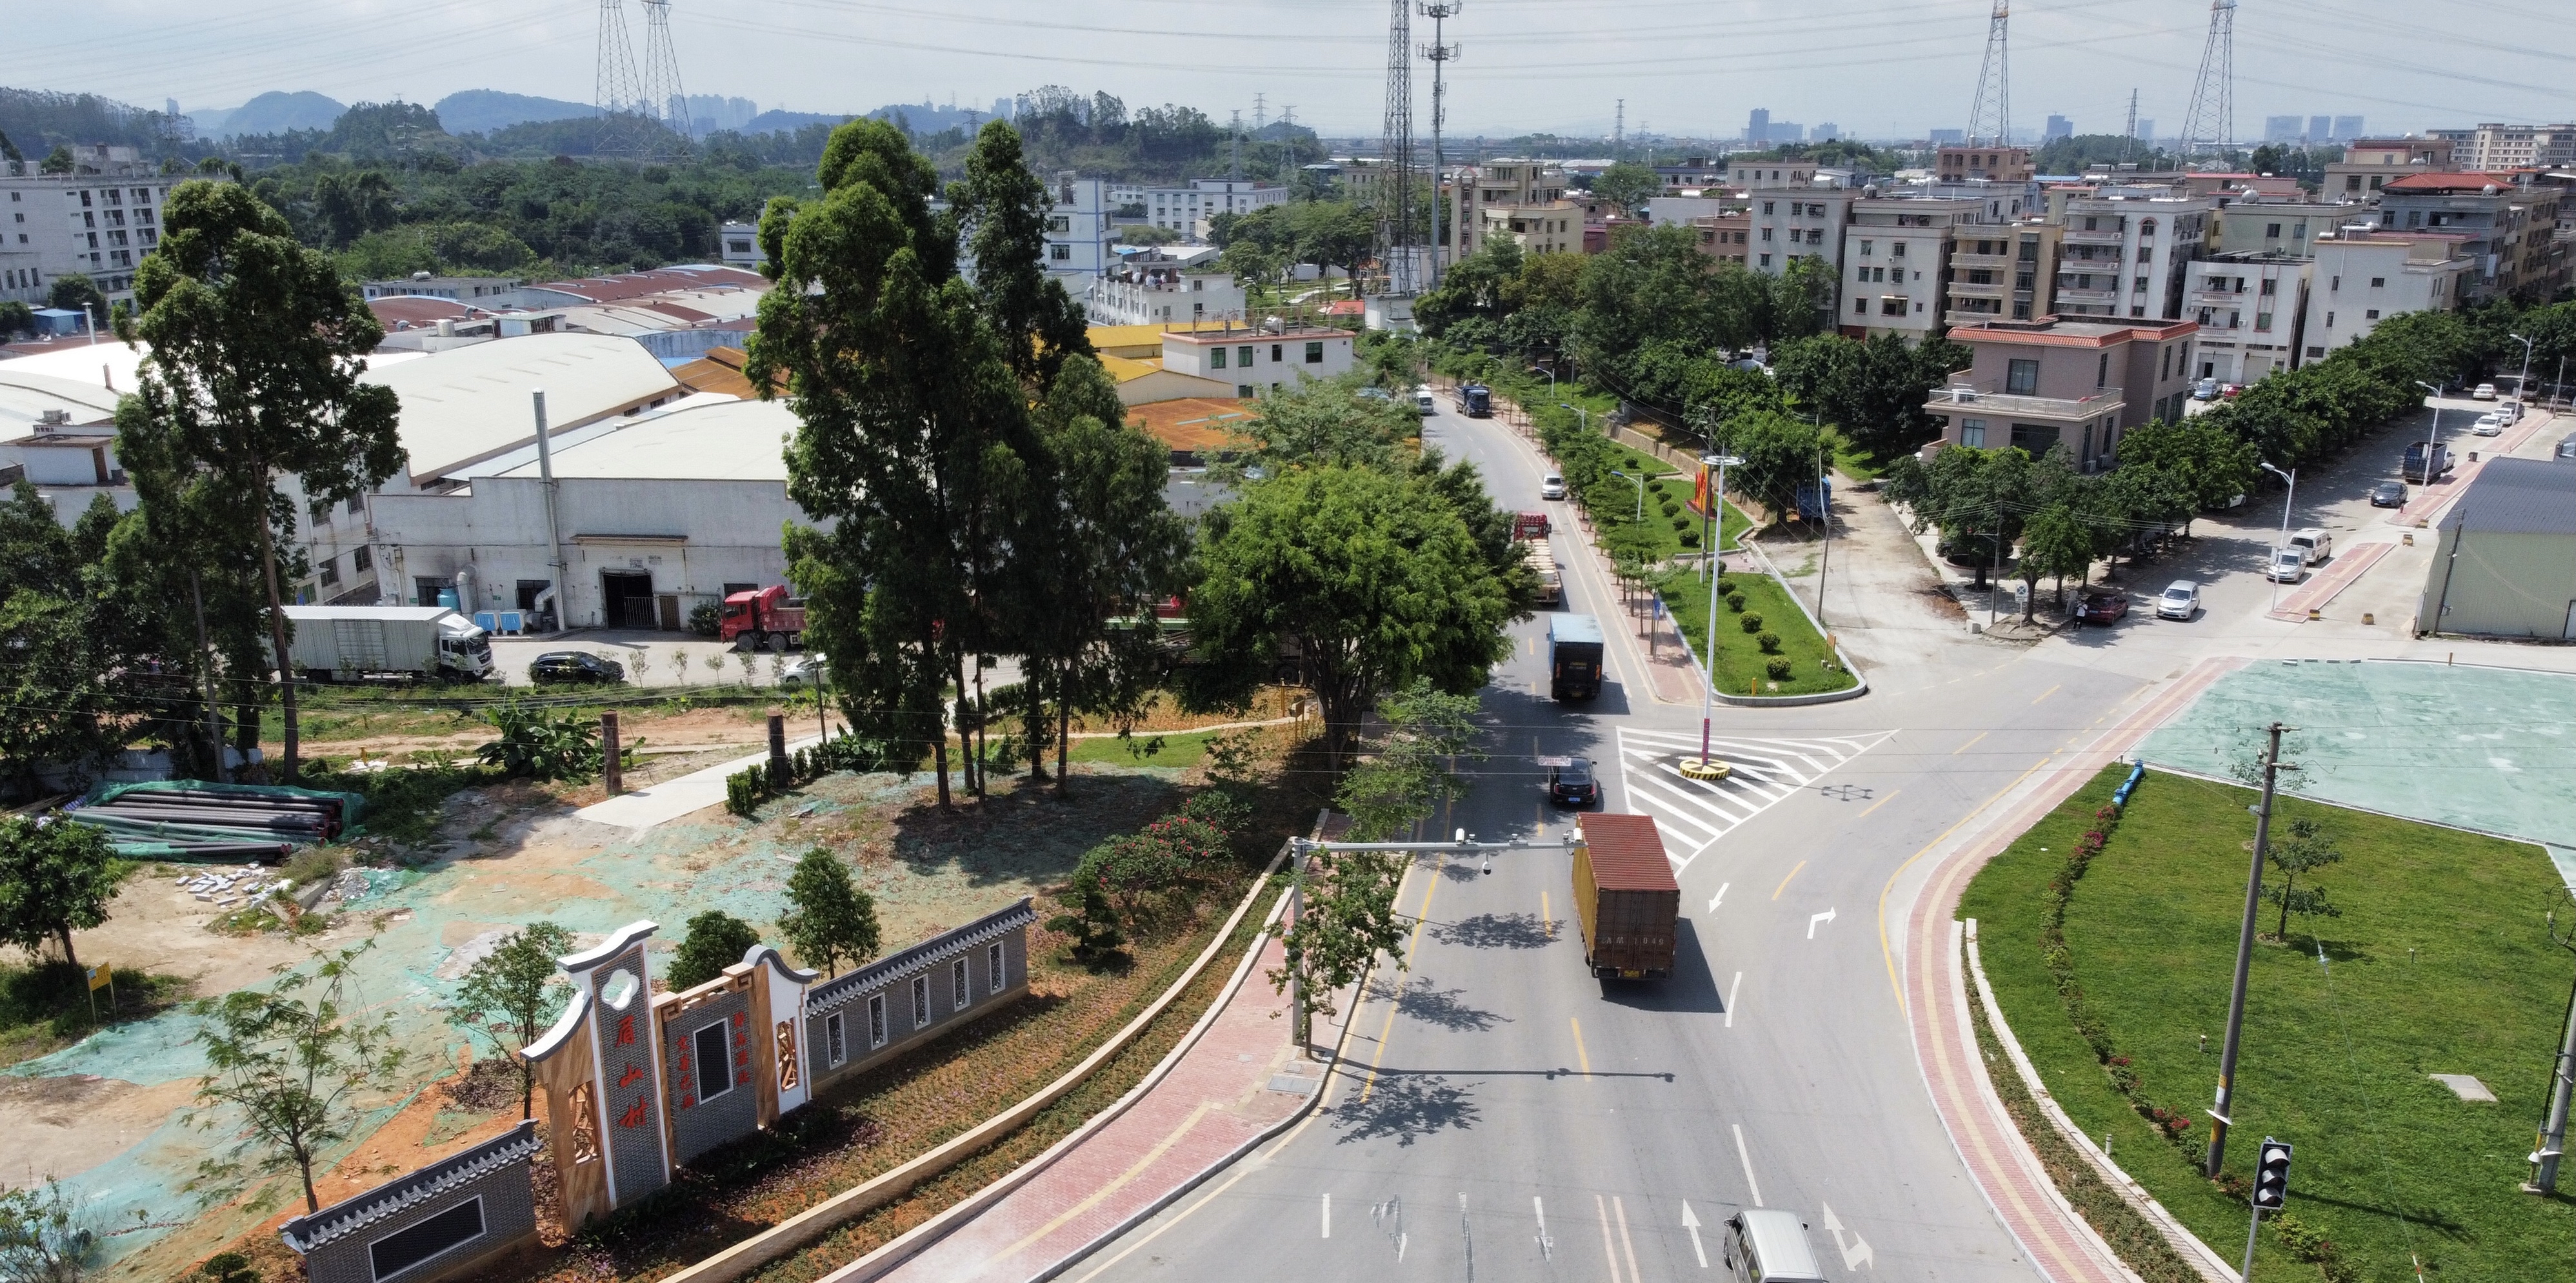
(62, 664)
(1802, 301)
(290, 1066)
(252, 373)
(2056, 541)
(1333, 234)
(828, 918)
(16, 319)
(1002, 210)
(54, 880)
(228, 1267)
(2204, 459)
(9, 150)
(1628, 185)
(2306, 850)
(42, 1235)
(537, 743)
(1652, 284)
(1347, 920)
(76, 292)
(1367, 579)
(1321, 423)
(1974, 497)
(57, 161)
(1414, 769)
(352, 205)
(512, 994)
(1782, 455)
(715, 940)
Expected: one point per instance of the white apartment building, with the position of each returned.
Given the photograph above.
(1163, 286)
(1790, 223)
(2361, 277)
(99, 220)
(1258, 359)
(1077, 232)
(1520, 198)
(1187, 209)
(2499, 147)
(1896, 265)
(2126, 250)
(738, 245)
(2250, 306)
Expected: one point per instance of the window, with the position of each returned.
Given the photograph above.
(2262, 320)
(363, 560)
(1060, 253)
(836, 1043)
(960, 993)
(2029, 250)
(1972, 432)
(1766, 235)
(330, 572)
(2371, 315)
(437, 1236)
(1315, 353)
(2315, 352)
(2021, 311)
(357, 504)
(2271, 231)
(2145, 253)
(1899, 251)
(2021, 378)
(2333, 283)
(1860, 307)
(920, 1001)
(1867, 248)
(1891, 307)
(2271, 286)
(876, 1020)
(993, 971)
(1243, 391)
(1243, 356)
(2379, 282)
(1766, 208)
(2102, 370)
(715, 1060)
(1274, 352)
(1216, 358)
(2329, 320)
(2141, 284)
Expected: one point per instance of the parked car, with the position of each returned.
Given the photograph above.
(2288, 565)
(2312, 544)
(1376, 394)
(2511, 410)
(1572, 784)
(804, 669)
(2179, 600)
(2101, 608)
(574, 666)
(2488, 425)
(2388, 494)
(1551, 486)
(2205, 390)
(2483, 392)
(2232, 391)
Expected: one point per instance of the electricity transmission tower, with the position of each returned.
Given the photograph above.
(1395, 154)
(1260, 112)
(1619, 132)
(2211, 124)
(620, 93)
(2129, 136)
(1441, 55)
(664, 100)
(1990, 116)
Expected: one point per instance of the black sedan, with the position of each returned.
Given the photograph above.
(2388, 494)
(2101, 608)
(1572, 784)
(574, 666)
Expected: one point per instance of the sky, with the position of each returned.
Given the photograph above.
(1876, 68)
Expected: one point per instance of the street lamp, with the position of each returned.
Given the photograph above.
(2433, 441)
(1551, 379)
(1702, 767)
(1587, 414)
(1641, 492)
(2522, 383)
(2292, 477)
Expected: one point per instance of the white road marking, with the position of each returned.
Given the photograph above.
(1721, 895)
(1855, 1253)
(1812, 920)
(1546, 1245)
(1731, 989)
(1694, 814)
(1609, 1245)
(1745, 1156)
(1691, 1222)
(1328, 1213)
(1626, 1243)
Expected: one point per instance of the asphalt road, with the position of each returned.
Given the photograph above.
(1526, 1121)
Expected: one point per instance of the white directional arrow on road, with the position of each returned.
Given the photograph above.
(1721, 894)
(1691, 1223)
(1826, 916)
(1855, 1253)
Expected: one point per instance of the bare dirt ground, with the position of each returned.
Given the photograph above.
(739, 728)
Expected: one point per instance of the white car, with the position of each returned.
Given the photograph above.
(2288, 564)
(1551, 486)
(2511, 410)
(2484, 392)
(2488, 425)
(809, 667)
(2179, 600)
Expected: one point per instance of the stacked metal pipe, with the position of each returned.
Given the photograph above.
(198, 821)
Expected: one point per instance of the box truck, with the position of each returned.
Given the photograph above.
(1625, 897)
(354, 643)
(1573, 657)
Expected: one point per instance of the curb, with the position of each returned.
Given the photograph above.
(1860, 680)
(800, 1230)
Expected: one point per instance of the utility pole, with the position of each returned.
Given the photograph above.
(2552, 1142)
(1441, 55)
(1824, 502)
(2244, 956)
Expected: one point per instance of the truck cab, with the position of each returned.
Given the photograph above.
(1476, 400)
(2414, 469)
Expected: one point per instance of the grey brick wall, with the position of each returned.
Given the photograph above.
(632, 1118)
(701, 1125)
(509, 1214)
(900, 1033)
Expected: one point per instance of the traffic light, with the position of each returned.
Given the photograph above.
(2272, 1176)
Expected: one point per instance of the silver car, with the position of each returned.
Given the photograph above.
(804, 669)
(2179, 600)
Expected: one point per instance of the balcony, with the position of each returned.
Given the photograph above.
(2100, 236)
(1968, 402)
(2090, 298)
(1982, 262)
(2220, 298)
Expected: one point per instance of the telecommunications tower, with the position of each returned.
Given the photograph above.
(1441, 55)
(1395, 155)
(2211, 124)
(1990, 116)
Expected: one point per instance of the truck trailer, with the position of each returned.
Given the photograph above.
(354, 643)
(1573, 657)
(762, 618)
(1625, 897)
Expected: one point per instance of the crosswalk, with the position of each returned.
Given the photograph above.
(1694, 814)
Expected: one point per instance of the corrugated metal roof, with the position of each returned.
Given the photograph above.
(724, 441)
(1628, 853)
(468, 404)
(2520, 497)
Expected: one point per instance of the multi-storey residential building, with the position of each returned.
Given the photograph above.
(738, 245)
(2363, 276)
(492, 292)
(2277, 226)
(1745, 173)
(1695, 173)
(2250, 307)
(2511, 231)
(2045, 382)
(1993, 164)
(2006, 272)
(2126, 250)
(1077, 232)
(1896, 265)
(1797, 220)
(1188, 208)
(1258, 359)
(2495, 147)
(2372, 163)
(1165, 286)
(1523, 200)
(1724, 237)
(98, 220)
(2001, 201)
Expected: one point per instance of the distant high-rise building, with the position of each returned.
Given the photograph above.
(2146, 129)
(1948, 137)
(2347, 128)
(1825, 132)
(2320, 129)
(2059, 127)
(1787, 131)
(1757, 127)
(1002, 109)
(2281, 129)
(710, 112)
(173, 105)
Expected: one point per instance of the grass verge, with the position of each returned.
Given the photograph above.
(2438, 963)
(46, 1007)
(1743, 667)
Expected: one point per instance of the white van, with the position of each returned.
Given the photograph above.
(2313, 543)
(1422, 402)
(1767, 1245)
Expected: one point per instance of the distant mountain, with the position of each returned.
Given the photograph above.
(788, 122)
(275, 113)
(481, 111)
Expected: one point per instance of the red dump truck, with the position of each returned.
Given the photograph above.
(1625, 897)
(763, 618)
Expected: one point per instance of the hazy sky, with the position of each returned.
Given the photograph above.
(1686, 67)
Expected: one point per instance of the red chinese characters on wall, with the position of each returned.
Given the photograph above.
(633, 1117)
(632, 1073)
(626, 1031)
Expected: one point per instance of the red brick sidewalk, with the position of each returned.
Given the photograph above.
(1218, 1099)
(2064, 1248)
(2344, 573)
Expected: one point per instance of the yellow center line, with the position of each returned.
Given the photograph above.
(2050, 691)
(1581, 1057)
(1546, 917)
(1970, 744)
(1387, 1030)
(1784, 882)
(1891, 796)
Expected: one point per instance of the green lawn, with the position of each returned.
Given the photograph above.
(2438, 964)
(1178, 749)
(1742, 665)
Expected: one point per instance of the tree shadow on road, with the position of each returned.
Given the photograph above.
(1405, 1107)
(1497, 931)
(1418, 999)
